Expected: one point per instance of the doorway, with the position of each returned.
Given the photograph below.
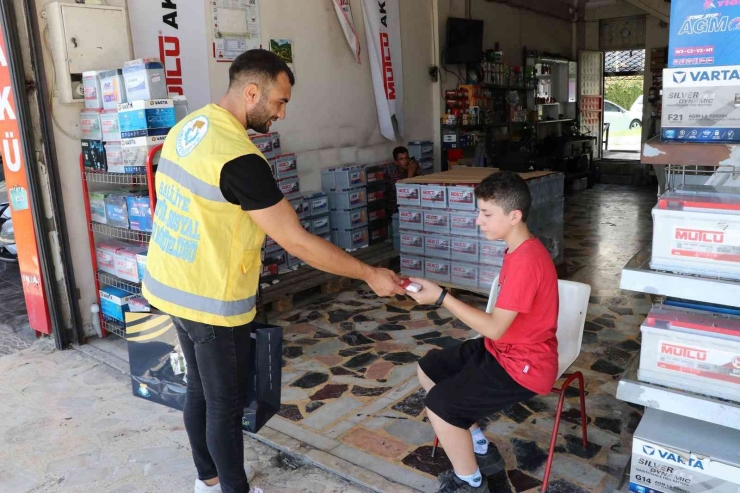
(623, 111)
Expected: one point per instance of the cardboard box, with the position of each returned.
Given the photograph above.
(146, 118)
(701, 104)
(105, 253)
(135, 152)
(93, 155)
(90, 127)
(703, 33)
(112, 88)
(141, 265)
(116, 210)
(114, 302)
(91, 88)
(126, 266)
(144, 78)
(109, 126)
(139, 305)
(139, 213)
(114, 157)
(97, 206)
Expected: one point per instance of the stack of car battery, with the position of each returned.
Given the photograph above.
(423, 152)
(440, 240)
(346, 188)
(377, 212)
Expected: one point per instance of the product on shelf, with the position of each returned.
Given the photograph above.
(351, 239)
(320, 225)
(90, 126)
(141, 265)
(105, 253)
(290, 187)
(437, 269)
(286, 166)
(464, 274)
(298, 205)
(97, 206)
(412, 266)
(343, 178)
(436, 221)
(139, 305)
(433, 196)
(135, 152)
(265, 144)
(114, 157)
(408, 194)
(375, 196)
(116, 210)
(144, 118)
(348, 199)
(461, 198)
(110, 128)
(487, 274)
(139, 212)
(114, 302)
(378, 233)
(437, 246)
(93, 155)
(91, 88)
(492, 252)
(465, 249)
(126, 262)
(375, 173)
(463, 223)
(113, 88)
(702, 35)
(411, 242)
(181, 107)
(349, 218)
(144, 78)
(318, 203)
(409, 218)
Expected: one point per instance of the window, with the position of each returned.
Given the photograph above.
(611, 107)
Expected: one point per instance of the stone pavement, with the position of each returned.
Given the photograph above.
(70, 424)
(15, 333)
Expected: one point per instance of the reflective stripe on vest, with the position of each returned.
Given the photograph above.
(200, 303)
(197, 186)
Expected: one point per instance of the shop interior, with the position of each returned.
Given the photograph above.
(568, 94)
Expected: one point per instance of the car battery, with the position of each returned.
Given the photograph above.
(144, 79)
(461, 198)
(90, 126)
(318, 203)
(351, 239)
(379, 216)
(433, 196)
(271, 245)
(696, 230)
(437, 246)
(412, 266)
(703, 33)
(93, 155)
(410, 219)
(464, 274)
(492, 252)
(91, 90)
(347, 199)
(298, 207)
(378, 233)
(342, 178)
(375, 196)
(321, 225)
(463, 223)
(349, 218)
(109, 126)
(290, 187)
(437, 222)
(139, 212)
(286, 166)
(136, 152)
(264, 143)
(408, 194)
(464, 249)
(146, 118)
(412, 242)
(437, 269)
(486, 275)
(701, 104)
(694, 350)
(375, 173)
(113, 88)
(676, 454)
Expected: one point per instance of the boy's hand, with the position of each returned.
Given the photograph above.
(429, 293)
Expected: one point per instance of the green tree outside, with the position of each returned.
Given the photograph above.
(623, 90)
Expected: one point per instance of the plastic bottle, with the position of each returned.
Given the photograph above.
(95, 319)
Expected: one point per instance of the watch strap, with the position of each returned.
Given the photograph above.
(441, 297)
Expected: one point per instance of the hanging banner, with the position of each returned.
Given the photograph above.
(178, 37)
(16, 182)
(383, 30)
(344, 13)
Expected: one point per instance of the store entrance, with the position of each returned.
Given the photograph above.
(623, 108)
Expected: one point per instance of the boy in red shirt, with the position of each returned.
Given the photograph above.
(516, 358)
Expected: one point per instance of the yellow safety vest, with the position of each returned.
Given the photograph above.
(204, 258)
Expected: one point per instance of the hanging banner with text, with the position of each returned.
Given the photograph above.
(383, 30)
(16, 182)
(344, 13)
(178, 37)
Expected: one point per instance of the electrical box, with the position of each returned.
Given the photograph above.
(83, 38)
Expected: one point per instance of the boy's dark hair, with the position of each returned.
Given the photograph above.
(260, 67)
(399, 150)
(508, 190)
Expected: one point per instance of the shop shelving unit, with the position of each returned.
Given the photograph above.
(109, 325)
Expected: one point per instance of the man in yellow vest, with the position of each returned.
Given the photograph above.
(216, 200)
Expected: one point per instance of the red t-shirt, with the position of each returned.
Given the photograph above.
(528, 350)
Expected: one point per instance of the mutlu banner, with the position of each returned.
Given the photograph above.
(383, 30)
(344, 13)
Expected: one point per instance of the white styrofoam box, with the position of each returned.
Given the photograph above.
(437, 269)
(318, 203)
(90, 127)
(461, 198)
(692, 350)
(698, 233)
(350, 239)
(109, 126)
(437, 246)
(492, 252)
(135, 152)
(465, 249)
(463, 223)
(410, 219)
(437, 222)
(348, 199)
(375, 197)
(487, 274)
(144, 78)
(321, 225)
(114, 157)
(113, 88)
(433, 196)
(298, 207)
(349, 218)
(291, 188)
(286, 166)
(412, 242)
(343, 178)
(412, 266)
(676, 454)
(408, 194)
(464, 274)
(91, 88)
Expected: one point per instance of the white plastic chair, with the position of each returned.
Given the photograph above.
(573, 306)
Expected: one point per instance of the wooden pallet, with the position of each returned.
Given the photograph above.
(281, 295)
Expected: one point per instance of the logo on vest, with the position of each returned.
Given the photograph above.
(190, 135)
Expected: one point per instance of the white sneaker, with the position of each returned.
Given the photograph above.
(201, 487)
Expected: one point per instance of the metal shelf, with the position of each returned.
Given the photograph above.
(113, 327)
(555, 121)
(511, 88)
(120, 233)
(701, 407)
(115, 178)
(548, 104)
(638, 276)
(117, 282)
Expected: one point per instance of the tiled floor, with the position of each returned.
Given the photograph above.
(349, 368)
(15, 333)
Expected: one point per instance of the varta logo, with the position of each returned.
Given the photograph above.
(647, 450)
(666, 455)
(679, 77)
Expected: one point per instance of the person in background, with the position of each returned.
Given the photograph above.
(516, 358)
(401, 168)
(216, 200)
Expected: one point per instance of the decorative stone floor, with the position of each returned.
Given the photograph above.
(15, 333)
(349, 385)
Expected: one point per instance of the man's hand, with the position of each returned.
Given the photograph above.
(384, 282)
(429, 293)
(413, 168)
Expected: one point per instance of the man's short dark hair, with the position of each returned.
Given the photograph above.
(259, 67)
(398, 151)
(507, 190)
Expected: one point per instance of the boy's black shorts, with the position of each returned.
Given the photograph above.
(469, 384)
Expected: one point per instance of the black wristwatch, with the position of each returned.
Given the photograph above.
(441, 298)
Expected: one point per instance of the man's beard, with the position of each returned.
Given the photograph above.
(259, 118)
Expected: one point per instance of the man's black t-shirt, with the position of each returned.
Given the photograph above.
(248, 182)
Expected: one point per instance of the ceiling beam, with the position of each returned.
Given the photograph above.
(558, 9)
(656, 8)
